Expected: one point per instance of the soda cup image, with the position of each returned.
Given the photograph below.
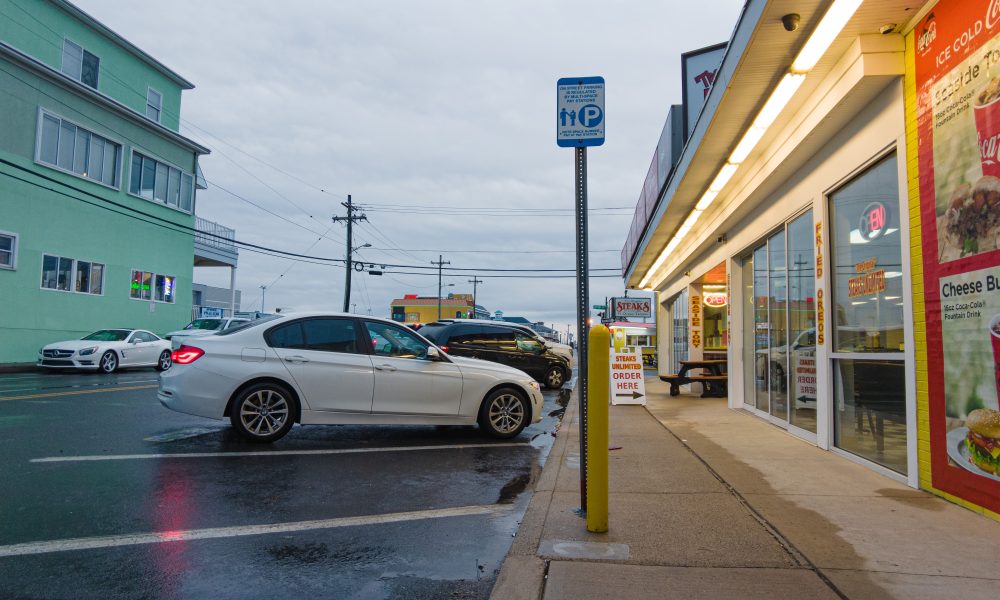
(986, 111)
(995, 338)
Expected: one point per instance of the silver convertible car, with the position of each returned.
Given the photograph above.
(333, 368)
(108, 350)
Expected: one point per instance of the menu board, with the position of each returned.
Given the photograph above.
(957, 68)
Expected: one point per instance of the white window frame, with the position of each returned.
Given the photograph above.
(159, 109)
(62, 63)
(119, 167)
(128, 187)
(13, 254)
(72, 270)
(152, 286)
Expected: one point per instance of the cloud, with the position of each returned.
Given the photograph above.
(441, 103)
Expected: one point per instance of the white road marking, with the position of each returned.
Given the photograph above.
(99, 457)
(159, 537)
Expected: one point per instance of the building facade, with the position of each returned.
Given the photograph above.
(97, 186)
(414, 309)
(836, 212)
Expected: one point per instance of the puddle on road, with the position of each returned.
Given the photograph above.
(513, 488)
(181, 434)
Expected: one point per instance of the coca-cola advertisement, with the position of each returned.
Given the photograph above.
(957, 67)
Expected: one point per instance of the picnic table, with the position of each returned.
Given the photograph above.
(712, 378)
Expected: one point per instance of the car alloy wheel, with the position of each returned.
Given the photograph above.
(554, 378)
(504, 414)
(109, 362)
(263, 412)
(164, 363)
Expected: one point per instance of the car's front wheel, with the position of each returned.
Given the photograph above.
(109, 362)
(555, 377)
(164, 362)
(263, 412)
(504, 413)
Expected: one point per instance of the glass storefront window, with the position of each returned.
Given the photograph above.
(679, 310)
(866, 294)
(870, 401)
(867, 265)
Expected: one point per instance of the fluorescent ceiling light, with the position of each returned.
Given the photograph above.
(827, 30)
(747, 144)
(784, 91)
(725, 174)
(706, 200)
(691, 219)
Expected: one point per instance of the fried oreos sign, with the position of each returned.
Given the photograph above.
(631, 308)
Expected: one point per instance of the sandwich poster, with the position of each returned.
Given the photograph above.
(957, 67)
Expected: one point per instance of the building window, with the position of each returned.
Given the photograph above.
(153, 286)
(8, 250)
(154, 180)
(867, 320)
(72, 275)
(154, 104)
(80, 64)
(72, 148)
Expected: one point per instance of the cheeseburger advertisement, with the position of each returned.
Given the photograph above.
(957, 59)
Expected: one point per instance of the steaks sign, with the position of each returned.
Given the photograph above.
(631, 308)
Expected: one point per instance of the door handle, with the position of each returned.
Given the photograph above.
(385, 367)
(296, 359)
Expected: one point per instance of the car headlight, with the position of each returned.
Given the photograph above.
(87, 351)
(534, 385)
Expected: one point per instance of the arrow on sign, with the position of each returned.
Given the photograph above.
(634, 395)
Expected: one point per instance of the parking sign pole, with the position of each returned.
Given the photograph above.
(582, 310)
(580, 123)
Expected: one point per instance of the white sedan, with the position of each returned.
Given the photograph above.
(334, 368)
(108, 350)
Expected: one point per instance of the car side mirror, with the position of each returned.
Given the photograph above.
(433, 353)
(135, 341)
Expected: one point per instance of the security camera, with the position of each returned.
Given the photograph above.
(791, 21)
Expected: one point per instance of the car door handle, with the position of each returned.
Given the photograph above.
(385, 367)
(296, 359)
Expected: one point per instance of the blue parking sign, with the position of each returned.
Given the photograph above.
(580, 111)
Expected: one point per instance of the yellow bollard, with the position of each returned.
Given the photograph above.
(598, 395)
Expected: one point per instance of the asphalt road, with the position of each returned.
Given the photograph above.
(106, 494)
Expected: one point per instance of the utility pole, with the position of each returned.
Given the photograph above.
(348, 265)
(263, 288)
(439, 264)
(474, 281)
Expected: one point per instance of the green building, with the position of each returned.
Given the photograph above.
(97, 186)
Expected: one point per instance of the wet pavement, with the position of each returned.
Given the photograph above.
(109, 495)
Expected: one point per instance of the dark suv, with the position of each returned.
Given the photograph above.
(498, 342)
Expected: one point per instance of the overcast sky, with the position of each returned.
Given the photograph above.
(412, 105)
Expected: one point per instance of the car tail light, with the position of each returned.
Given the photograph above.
(444, 349)
(186, 355)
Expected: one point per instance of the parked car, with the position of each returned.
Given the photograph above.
(335, 368)
(563, 350)
(208, 326)
(503, 343)
(108, 350)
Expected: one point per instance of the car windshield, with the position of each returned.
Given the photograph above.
(210, 324)
(249, 324)
(108, 335)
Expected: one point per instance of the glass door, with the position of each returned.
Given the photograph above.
(779, 362)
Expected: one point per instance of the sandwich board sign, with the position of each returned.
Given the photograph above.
(580, 112)
(628, 383)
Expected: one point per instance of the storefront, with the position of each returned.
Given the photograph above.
(852, 223)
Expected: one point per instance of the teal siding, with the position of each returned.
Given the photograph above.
(38, 28)
(57, 213)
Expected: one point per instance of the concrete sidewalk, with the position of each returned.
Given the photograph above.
(707, 502)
